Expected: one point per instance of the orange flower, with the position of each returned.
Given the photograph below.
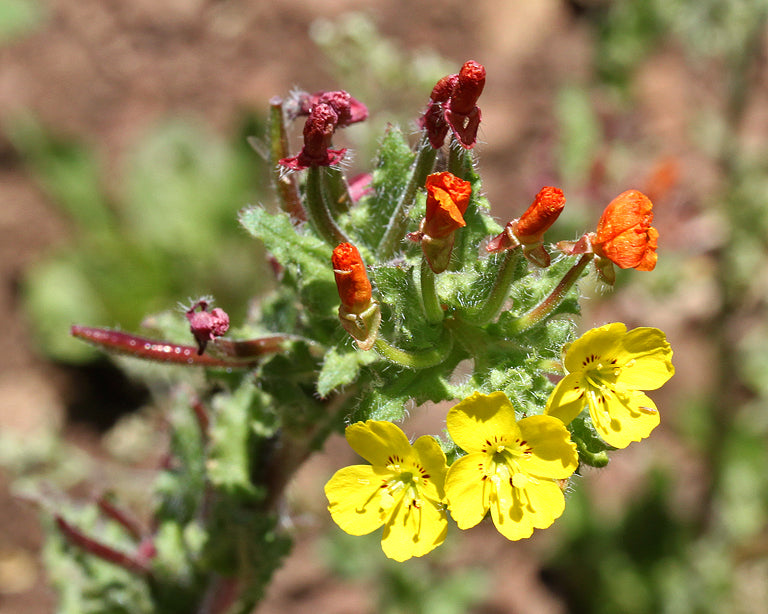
(351, 279)
(447, 201)
(542, 213)
(624, 233)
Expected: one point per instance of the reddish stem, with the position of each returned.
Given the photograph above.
(201, 414)
(151, 349)
(121, 516)
(102, 551)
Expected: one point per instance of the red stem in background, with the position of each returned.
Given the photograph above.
(234, 353)
(121, 516)
(102, 551)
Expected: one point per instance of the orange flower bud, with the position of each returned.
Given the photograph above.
(351, 279)
(447, 201)
(542, 213)
(624, 233)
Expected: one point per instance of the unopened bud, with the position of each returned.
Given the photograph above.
(359, 314)
(206, 325)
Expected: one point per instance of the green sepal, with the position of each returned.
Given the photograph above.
(592, 450)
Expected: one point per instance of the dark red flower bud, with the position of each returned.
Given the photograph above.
(433, 120)
(349, 110)
(461, 111)
(469, 86)
(318, 132)
(206, 325)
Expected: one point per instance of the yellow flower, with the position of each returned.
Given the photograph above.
(607, 369)
(512, 468)
(402, 489)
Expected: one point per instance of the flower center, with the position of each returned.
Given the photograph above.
(503, 458)
(404, 483)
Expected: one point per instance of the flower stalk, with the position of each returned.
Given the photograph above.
(416, 359)
(285, 185)
(433, 311)
(549, 304)
(421, 167)
(492, 305)
(317, 208)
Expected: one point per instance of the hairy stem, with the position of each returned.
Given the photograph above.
(549, 304)
(317, 209)
(422, 166)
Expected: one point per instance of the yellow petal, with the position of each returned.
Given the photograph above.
(378, 442)
(553, 454)
(645, 359)
(433, 461)
(567, 399)
(535, 504)
(604, 341)
(354, 497)
(466, 490)
(414, 530)
(623, 416)
(480, 418)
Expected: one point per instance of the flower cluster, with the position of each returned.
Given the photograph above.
(327, 111)
(515, 469)
(388, 283)
(453, 104)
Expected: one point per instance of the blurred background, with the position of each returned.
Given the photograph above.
(124, 161)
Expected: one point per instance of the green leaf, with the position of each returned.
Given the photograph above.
(341, 367)
(287, 243)
(368, 218)
(580, 134)
(232, 448)
(18, 18)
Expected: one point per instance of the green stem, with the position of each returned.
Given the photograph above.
(319, 215)
(459, 160)
(418, 359)
(339, 200)
(493, 303)
(421, 167)
(460, 164)
(549, 304)
(432, 308)
(285, 184)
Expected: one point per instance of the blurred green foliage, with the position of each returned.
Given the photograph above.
(19, 17)
(164, 234)
(665, 551)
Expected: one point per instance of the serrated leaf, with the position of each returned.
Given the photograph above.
(231, 447)
(288, 244)
(341, 367)
(390, 176)
(400, 299)
(387, 399)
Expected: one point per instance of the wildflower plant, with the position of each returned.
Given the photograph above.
(392, 290)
